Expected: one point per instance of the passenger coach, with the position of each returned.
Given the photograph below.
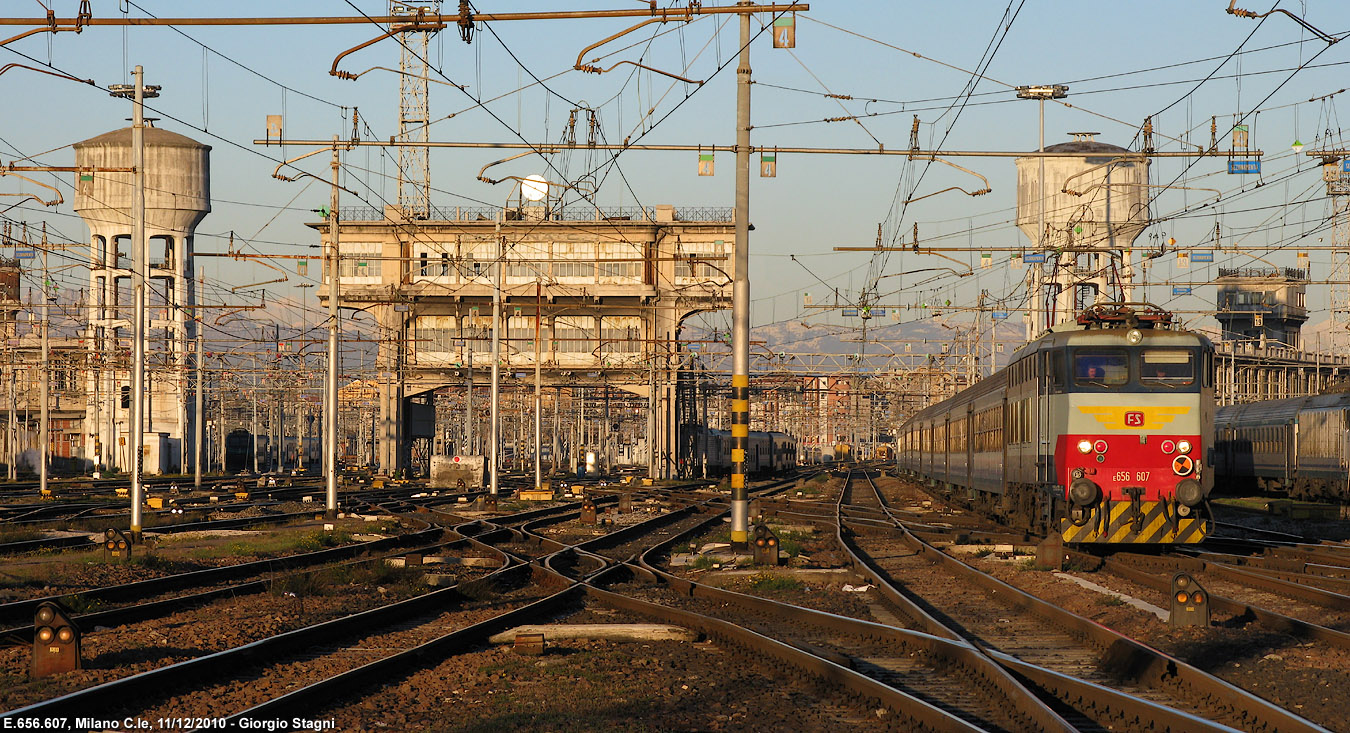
(1097, 430)
(1298, 446)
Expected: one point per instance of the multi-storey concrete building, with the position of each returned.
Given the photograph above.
(595, 297)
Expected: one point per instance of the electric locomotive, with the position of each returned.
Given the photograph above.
(1096, 430)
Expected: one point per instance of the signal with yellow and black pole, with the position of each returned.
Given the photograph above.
(740, 439)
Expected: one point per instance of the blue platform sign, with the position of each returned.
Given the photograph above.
(25, 254)
(1242, 167)
(879, 312)
(1178, 290)
(1202, 257)
(1345, 165)
(1000, 314)
(850, 311)
(1034, 257)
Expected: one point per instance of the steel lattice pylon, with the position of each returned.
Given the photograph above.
(1340, 267)
(414, 161)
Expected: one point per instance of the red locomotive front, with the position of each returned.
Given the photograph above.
(1129, 457)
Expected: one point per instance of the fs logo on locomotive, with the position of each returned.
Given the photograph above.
(1122, 418)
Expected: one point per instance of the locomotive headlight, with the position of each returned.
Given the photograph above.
(1168, 446)
(1099, 446)
(1084, 446)
(1184, 446)
(1135, 336)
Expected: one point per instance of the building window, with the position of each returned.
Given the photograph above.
(360, 260)
(575, 334)
(574, 261)
(621, 261)
(621, 334)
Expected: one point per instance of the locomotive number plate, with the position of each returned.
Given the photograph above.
(1134, 419)
(1125, 476)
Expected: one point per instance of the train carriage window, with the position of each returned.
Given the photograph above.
(1057, 377)
(1100, 368)
(1166, 367)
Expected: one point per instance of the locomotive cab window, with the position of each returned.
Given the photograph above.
(1167, 367)
(1100, 368)
(1057, 380)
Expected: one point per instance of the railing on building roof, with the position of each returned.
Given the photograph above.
(1277, 350)
(1291, 273)
(571, 213)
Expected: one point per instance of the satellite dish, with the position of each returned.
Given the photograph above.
(534, 188)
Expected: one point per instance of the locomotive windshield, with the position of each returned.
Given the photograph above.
(1167, 367)
(1101, 368)
(1105, 368)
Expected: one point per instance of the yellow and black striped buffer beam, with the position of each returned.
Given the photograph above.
(1158, 526)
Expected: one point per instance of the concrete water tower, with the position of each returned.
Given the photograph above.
(177, 197)
(1095, 206)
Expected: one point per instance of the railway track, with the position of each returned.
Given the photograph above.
(1002, 619)
(907, 672)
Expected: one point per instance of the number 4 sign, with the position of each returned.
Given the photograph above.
(785, 32)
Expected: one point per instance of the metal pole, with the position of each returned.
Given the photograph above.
(557, 432)
(45, 420)
(740, 301)
(469, 417)
(254, 442)
(136, 428)
(12, 435)
(198, 411)
(278, 426)
(538, 388)
(221, 432)
(1040, 221)
(330, 422)
(651, 419)
(494, 436)
(301, 425)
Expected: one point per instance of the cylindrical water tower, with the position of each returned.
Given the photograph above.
(177, 197)
(1095, 206)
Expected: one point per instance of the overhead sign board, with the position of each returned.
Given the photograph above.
(1034, 257)
(25, 254)
(1202, 256)
(850, 311)
(1178, 290)
(1243, 167)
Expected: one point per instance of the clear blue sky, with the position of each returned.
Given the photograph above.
(1122, 62)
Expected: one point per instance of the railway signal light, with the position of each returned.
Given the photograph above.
(765, 546)
(1190, 602)
(56, 641)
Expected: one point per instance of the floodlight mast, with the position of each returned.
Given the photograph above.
(1040, 93)
(138, 93)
